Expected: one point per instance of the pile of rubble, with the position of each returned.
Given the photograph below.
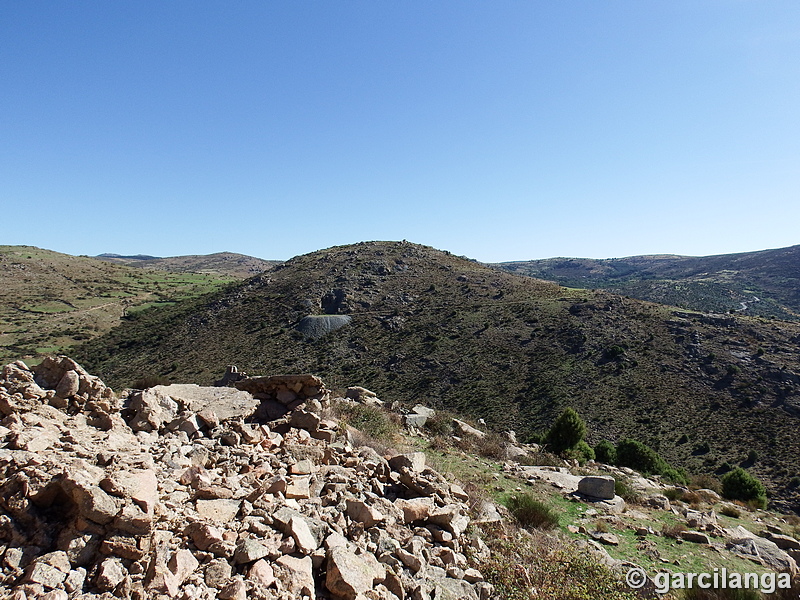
(187, 492)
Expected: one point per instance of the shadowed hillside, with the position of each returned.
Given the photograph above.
(764, 283)
(428, 326)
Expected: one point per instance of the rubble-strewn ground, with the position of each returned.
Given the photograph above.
(261, 492)
(189, 500)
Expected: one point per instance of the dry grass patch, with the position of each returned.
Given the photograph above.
(535, 565)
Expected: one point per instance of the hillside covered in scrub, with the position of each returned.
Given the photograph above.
(417, 324)
(51, 301)
(225, 264)
(765, 283)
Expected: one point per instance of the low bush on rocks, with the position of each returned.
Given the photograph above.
(706, 482)
(540, 459)
(673, 494)
(492, 445)
(624, 489)
(730, 511)
(531, 513)
(371, 420)
(721, 594)
(440, 424)
(531, 566)
(673, 530)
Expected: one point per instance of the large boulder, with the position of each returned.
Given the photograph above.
(350, 575)
(597, 486)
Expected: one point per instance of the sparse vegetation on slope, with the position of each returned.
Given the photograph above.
(430, 327)
(224, 264)
(50, 301)
(763, 283)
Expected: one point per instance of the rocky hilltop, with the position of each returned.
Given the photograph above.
(182, 491)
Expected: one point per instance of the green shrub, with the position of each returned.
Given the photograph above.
(586, 450)
(625, 490)
(674, 475)
(530, 513)
(794, 482)
(582, 452)
(568, 430)
(740, 485)
(605, 452)
(638, 456)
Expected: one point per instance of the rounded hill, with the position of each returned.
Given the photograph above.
(427, 326)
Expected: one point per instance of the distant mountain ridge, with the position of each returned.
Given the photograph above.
(128, 257)
(229, 264)
(762, 283)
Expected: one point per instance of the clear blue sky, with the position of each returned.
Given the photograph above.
(499, 130)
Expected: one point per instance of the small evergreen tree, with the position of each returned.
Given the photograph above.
(605, 452)
(636, 455)
(568, 430)
(740, 485)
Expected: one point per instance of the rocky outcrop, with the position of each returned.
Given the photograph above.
(418, 416)
(188, 496)
(760, 550)
(280, 394)
(314, 327)
(58, 381)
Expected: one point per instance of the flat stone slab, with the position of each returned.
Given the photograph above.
(227, 403)
(559, 477)
(219, 511)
